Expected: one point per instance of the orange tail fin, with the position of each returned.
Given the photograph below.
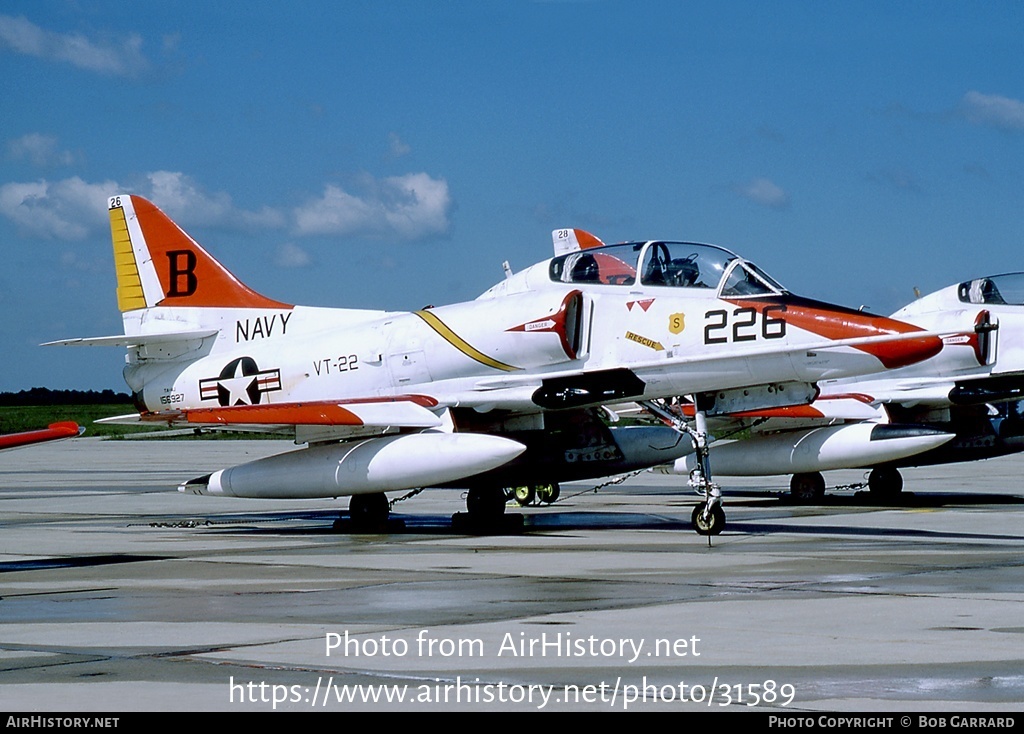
(158, 264)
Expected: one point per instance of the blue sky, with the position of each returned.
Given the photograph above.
(393, 154)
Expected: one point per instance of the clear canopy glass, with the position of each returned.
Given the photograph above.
(665, 264)
(999, 290)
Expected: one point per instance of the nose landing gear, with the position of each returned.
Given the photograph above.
(708, 517)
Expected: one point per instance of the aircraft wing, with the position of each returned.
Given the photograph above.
(54, 432)
(578, 388)
(398, 413)
(312, 421)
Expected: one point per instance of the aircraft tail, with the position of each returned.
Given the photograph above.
(158, 264)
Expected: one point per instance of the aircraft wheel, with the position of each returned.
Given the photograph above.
(524, 494)
(486, 504)
(712, 525)
(885, 483)
(808, 487)
(369, 510)
(548, 493)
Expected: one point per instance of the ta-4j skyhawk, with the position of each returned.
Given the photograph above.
(506, 390)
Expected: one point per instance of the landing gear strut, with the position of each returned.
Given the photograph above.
(708, 517)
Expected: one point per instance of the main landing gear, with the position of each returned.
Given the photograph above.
(885, 483)
(527, 494)
(486, 505)
(708, 516)
(485, 513)
(367, 513)
(807, 487)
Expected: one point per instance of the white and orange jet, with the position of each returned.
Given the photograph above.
(502, 391)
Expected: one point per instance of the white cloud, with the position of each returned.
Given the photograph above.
(292, 256)
(70, 209)
(40, 150)
(117, 57)
(398, 147)
(404, 207)
(992, 110)
(185, 202)
(764, 192)
(407, 207)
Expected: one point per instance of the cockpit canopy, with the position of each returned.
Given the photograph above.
(998, 290)
(665, 264)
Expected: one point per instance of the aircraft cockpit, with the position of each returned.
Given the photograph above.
(997, 290)
(665, 264)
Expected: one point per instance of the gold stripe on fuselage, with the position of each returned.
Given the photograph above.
(461, 344)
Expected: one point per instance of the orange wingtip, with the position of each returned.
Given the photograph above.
(61, 429)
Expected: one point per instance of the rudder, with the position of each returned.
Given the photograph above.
(158, 264)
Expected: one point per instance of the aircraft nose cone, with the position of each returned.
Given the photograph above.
(899, 349)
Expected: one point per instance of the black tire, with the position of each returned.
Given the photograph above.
(885, 483)
(369, 510)
(548, 493)
(807, 488)
(709, 526)
(524, 494)
(486, 504)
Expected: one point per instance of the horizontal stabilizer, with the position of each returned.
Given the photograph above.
(128, 419)
(139, 340)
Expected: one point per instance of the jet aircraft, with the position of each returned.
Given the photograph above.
(496, 392)
(963, 404)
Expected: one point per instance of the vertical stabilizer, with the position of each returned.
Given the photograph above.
(573, 240)
(158, 264)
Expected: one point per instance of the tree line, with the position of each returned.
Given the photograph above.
(46, 396)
